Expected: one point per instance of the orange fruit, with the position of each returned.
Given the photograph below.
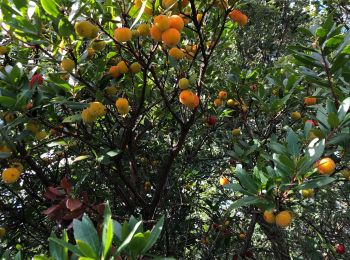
(122, 67)
(87, 116)
(86, 29)
(269, 217)
(325, 166)
(161, 22)
(284, 218)
(309, 101)
(175, 21)
(222, 94)
(176, 53)
(217, 102)
(184, 3)
(97, 109)
(122, 34)
(171, 37)
(238, 17)
(10, 175)
(223, 181)
(169, 3)
(122, 105)
(156, 34)
(186, 97)
(195, 102)
(114, 72)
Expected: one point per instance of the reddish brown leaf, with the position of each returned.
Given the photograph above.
(56, 191)
(73, 204)
(51, 210)
(100, 208)
(74, 214)
(66, 185)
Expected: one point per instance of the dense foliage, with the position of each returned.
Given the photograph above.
(227, 120)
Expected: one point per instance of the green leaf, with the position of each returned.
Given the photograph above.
(57, 251)
(85, 231)
(292, 143)
(7, 101)
(86, 249)
(128, 239)
(246, 180)
(316, 183)
(142, 9)
(155, 233)
(316, 148)
(72, 119)
(107, 233)
(50, 7)
(333, 120)
(343, 108)
(117, 229)
(70, 247)
(65, 28)
(244, 201)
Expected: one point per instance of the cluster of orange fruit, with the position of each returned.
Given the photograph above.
(221, 97)
(282, 219)
(93, 111)
(167, 29)
(122, 68)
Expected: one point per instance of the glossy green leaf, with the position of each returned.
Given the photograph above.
(50, 7)
(155, 233)
(316, 183)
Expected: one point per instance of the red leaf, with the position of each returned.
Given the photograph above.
(73, 214)
(73, 204)
(100, 208)
(53, 193)
(51, 210)
(66, 185)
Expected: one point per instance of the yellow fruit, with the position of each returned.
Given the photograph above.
(346, 174)
(156, 34)
(176, 53)
(3, 50)
(284, 218)
(325, 166)
(307, 193)
(236, 132)
(143, 29)
(97, 109)
(10, 175)
(269, 217)
(147, 186)
(2, 232)
(40, 135)
(184, 83)
(9, 117)
(122, 67)
(295, 116)
(223, 181)
(111, 90)
(32, 127)
(227, 222)
(217, 102)
(161, 22)
(18, 166)
(199, 18)
(86, 29)
(171, 37)
(122, 34)
(232, 103)
(67, 64)
(222, 94)
(122, 105)
(135, 67)
(175, 21)
(87, 116)
(98, 45)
